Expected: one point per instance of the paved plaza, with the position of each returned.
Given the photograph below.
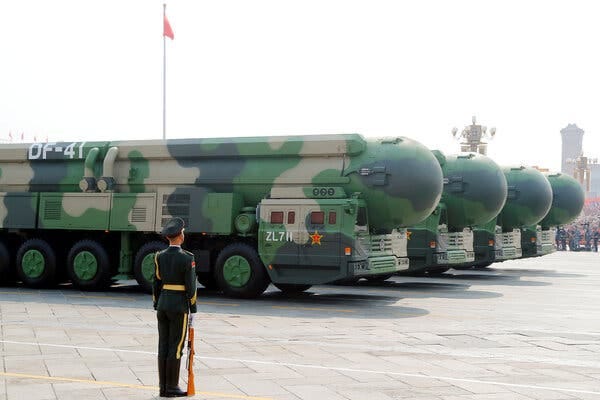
(526, 329)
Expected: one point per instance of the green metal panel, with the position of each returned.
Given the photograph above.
(18, 210)
(221, 209)
(132, 212)
(88, 211)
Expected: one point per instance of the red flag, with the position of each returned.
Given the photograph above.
(22, 136)
(10, 136)
(167, 31)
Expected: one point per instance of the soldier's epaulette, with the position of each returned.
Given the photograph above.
(189, 253)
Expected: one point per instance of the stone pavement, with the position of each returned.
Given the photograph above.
(526, 329)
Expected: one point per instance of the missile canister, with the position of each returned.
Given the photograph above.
(568, 199)
(399, 176)
(474, 190)
(244, 200)
(529, 198)
(474, 193)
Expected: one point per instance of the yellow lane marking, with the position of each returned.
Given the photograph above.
(218, 304)
(71, 295)
(312, 309)
(54, 378)
(127, 385)
(20, 293)
(85, 296)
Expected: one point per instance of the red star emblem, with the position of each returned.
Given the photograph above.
(408, 233)
(316, 238)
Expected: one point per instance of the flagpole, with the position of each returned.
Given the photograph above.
(164, 76)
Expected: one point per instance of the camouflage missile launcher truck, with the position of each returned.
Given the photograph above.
(528, 200)
(567, 202)
(294, 211)
(474, 193)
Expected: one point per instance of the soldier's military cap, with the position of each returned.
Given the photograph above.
(173, 227)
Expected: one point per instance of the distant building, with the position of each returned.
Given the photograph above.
(595, 175)
(572, 154)
(572, 147)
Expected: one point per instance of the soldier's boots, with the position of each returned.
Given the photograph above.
(172, 379)
(162, 375)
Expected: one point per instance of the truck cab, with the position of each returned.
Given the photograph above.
(433, 247)
(311, 237)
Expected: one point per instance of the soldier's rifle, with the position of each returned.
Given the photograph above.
(191, 387)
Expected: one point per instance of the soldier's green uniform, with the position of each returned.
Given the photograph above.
(174, 297)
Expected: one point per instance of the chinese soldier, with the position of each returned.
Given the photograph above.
(174, 298)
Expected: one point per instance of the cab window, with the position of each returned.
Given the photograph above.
(277, 217)
(317, 218)
(332, 218)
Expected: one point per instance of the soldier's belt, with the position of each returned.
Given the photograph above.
(177, 288)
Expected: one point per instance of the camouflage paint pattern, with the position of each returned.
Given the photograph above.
(295, 233)
(474, 193)
(529, 198)
(530, 204)
(475, 190)
(568, 199)
(566, 203)
(398, 176)
(212, 182)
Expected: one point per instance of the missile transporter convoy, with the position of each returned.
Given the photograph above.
(528, 200)
(292, 211)
(474, 193)
(568, 199)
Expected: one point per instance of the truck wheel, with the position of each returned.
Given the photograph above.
(88, 265)
(379, 278)
(36, 263)
(143, 265)
(437, 271)
(240, 272)
(5, 266)
(291, 288)
(207, 280)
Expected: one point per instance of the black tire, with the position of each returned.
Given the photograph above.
(253, 283)
(483, 265)
(142, 270)
(378, 278)
(95, 257)
(6, 268)
(291, 288)
(346, 282)
(462, 267)
(437, 271)
(208, 280)
(36, 254)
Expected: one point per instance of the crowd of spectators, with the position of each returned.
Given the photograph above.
(584, 232)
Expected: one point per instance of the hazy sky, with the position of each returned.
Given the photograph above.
(85, 70)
